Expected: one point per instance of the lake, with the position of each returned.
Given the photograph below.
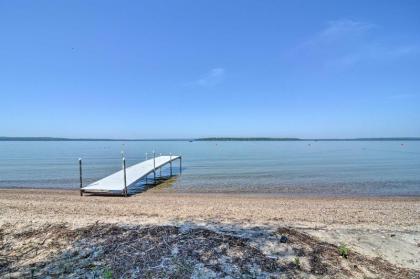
(368, 168)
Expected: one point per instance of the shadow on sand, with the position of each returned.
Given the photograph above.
(132, 251)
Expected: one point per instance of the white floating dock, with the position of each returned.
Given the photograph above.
(117, 184)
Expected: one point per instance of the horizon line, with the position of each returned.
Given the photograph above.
(7, 138)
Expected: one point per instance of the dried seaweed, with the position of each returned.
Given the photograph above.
(112, 251)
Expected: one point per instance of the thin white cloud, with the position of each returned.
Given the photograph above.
(213, 77)
(336, 31)
(346, 43)
(338, 28)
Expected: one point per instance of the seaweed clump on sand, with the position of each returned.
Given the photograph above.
(115, 251)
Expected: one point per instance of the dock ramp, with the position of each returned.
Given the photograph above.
(119, 182)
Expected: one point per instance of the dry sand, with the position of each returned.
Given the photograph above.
(388, 228)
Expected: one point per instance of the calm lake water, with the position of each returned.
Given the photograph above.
(295, 167)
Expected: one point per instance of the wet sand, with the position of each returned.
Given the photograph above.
(388, 228)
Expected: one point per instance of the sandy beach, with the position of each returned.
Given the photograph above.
(384, 229)
(210, 139)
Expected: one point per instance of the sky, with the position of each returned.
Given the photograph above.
(188, 69)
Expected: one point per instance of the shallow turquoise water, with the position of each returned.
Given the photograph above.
(322, 168)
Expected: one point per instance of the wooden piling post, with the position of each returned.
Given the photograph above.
(80, 176)
(125, 179)
(180, 164)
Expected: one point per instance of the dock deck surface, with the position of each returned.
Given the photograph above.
(114, 183)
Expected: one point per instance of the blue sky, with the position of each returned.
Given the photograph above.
(159, 69)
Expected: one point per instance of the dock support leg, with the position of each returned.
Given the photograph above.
(154, 168)
(180, 164)
(160, 169)
(146, 160)
(170, 163)
(125, 179)
(80, 176)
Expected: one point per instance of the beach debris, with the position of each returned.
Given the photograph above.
(283, 239)
(296, 262)
(164, 251)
